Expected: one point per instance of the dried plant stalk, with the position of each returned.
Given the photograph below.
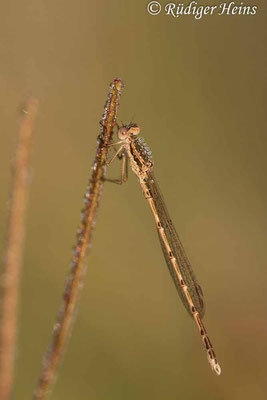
(74, 282)
(13, 251)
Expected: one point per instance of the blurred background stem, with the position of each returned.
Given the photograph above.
(13, 250)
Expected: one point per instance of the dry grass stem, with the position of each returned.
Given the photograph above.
(75, 278)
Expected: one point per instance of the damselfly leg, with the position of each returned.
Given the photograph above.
(122, 156)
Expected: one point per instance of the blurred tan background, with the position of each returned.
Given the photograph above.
(198, 90)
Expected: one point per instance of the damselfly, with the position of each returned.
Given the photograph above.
(137, 152)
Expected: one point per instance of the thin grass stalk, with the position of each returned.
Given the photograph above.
(63, 325)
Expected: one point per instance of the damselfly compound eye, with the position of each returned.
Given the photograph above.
(134, 130)
(122, 133)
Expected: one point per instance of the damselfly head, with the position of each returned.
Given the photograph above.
(126, 131)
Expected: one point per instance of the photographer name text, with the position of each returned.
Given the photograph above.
(198, 11)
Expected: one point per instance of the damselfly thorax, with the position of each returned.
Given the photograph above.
(135, 148)
(138, 153)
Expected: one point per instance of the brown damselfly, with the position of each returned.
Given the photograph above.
(137, 152)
